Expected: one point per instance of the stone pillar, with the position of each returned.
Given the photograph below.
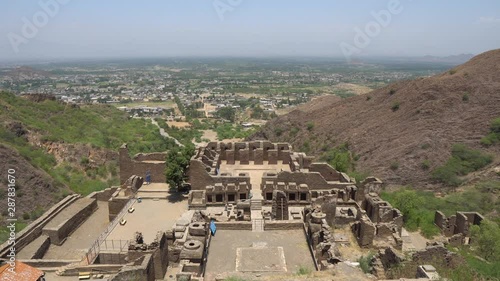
(244, 156)
(273, 156)
(280, 205)
(258, 156)
(329, 207)
(230, 157)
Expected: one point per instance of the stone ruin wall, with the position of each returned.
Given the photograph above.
(257, 152)
(139, 165)
(456, 227)
(378, 221)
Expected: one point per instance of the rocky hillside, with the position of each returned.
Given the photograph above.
(35, 189)
(395, 130)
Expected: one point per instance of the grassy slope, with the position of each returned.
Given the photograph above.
(99, 126)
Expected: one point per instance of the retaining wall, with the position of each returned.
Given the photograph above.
(34, 229)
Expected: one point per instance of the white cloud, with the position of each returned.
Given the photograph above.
(489, 20)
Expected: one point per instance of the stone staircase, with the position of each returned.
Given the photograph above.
(256, 204)
(258, 225)
(256, 213)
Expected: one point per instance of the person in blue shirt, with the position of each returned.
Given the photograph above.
(148, 177)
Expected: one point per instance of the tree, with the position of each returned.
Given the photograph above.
(227, 113)
(177, 162)
(407, 202)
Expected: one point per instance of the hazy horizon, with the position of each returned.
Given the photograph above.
(75, 29)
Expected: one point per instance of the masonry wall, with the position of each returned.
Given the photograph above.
(140, 272)
(157, 156)
(200, 178)
(238, 225)
(130, 167)
(314, 180)
(103, 195)
(34, 229)
(328, 173)
(283, 225)
(60, 232)
(42, 249)
(160, 257)
(115, 205)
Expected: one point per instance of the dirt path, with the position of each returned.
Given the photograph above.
(165, 134)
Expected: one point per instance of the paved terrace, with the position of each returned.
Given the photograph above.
(79, 241)
(269, 252)
(158, 211)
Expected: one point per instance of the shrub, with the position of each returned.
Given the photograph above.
(394, 166)
(395, 106)
(392, 92)
(26, 216)
(426, 164)
(310, 126)
(452, 71)
(303, 270)
(462, 162)
(465, 97)
(278, 131)
(365, 263)
(368, 98)
(340, 158)
(494, 136)
(84, 161)
(425, 146)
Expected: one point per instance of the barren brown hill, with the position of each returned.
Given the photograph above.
(405, 123)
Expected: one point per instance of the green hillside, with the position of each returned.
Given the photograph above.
(100, 126)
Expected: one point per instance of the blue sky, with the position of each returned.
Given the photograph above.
(125, 28)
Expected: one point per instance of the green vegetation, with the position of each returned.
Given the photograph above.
(259, 113)
(310, 126)
(227, 113)
(100, 126)
(418, 207)
(190, 111)
(425, 146)
(486, 240)
(5, 232)
(465, 97)
(392, 92)
(365, 263)
(425, 165)
(395, 106)
(394, 166)
(463, 161)
(303, 270)
(177, 162)
(230, 131)
(294, 131)
(408, 268)
(473, 269)
(452, 71)
(339, 158)
(494, 136)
